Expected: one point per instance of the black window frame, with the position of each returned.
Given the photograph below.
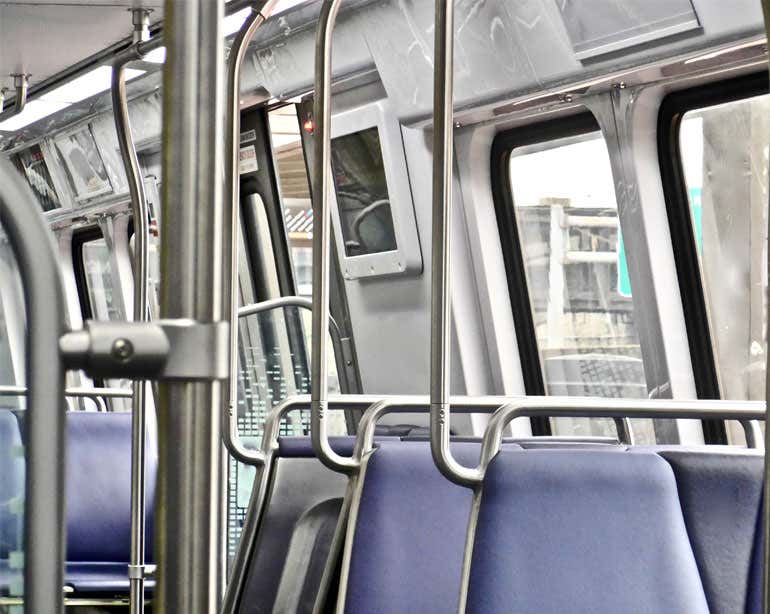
(503, 146)
(79, 238)
(672, 110)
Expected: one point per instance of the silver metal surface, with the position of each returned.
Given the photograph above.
(21, 86)
(189, 510)
(140, 212)
(233, 443)
(231, 200)
(440, 302)
(743, 411)
(33, 248)
(322, 241)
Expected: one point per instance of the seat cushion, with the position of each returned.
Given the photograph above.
(582, 532)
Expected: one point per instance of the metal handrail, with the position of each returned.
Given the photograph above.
(232, 440)
(33, 248)
(231, 199)
(87, 393)
(766, 483)
(140, 214)
(321, 186)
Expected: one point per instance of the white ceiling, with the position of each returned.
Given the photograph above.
(44, 37)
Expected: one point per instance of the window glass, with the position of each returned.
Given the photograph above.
(100, 281)
(295, 193)
(580, 292)
(362, 193)
(724, 150)
(33, 166)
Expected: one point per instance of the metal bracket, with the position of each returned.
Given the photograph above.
(175, 350)
(140, 572)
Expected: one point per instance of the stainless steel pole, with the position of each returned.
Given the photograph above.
(260, 12)
(189, 515)
(136, 571)
(322, 241)
(440, 306)
(33, 248)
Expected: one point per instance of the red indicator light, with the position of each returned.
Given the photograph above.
(308, 126)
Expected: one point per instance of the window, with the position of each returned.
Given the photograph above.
(722, 135)
(565, 218)
(295, 193)
(100, 281)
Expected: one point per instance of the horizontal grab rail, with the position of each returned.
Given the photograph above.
(587, 407)
(88, 393)
(232, 440)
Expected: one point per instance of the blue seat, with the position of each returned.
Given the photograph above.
(582, 531)
(720, 494)
(408, 541)
(98, 482)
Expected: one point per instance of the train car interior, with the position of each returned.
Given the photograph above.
(384, 306)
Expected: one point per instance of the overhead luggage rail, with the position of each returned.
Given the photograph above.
(33, 249)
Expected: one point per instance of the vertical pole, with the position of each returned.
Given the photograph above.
(443, 146)
(45, 423)
(766, 492)
(190, 454)
(319, 391)
(136, 571)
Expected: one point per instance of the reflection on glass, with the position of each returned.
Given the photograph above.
(578, 283)
(725, 159)
(362, 193)
(274, 363)
(32, 165)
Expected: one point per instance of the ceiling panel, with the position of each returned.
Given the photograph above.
(44, 37)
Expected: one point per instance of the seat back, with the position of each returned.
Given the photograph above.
(98, 482)
(582, 531)
(296, 536)
(720, 494)
(407, 532)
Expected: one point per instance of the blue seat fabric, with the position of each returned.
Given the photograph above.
(99, 501)
(409, 537)
(720, 496)
(582, 532)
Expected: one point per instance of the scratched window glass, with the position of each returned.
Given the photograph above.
(274, 364)
(577, 276)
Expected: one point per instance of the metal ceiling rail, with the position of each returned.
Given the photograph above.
(32, 246)
(106, 56)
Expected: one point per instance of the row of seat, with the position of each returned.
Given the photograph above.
(98, 490)
(557, 527)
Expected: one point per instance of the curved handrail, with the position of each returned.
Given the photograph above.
(33, 248)
(743, 411)
(232, 440)
(260, 11)
(321, 186)
(140, 214)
